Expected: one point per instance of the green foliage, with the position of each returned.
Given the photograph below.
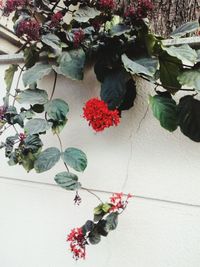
(57, 109)
(190, 78)
(31, 56)
(47, 159)
(71, 64)
(52, 41)
(75, 158)
(36, 126)
(35, 73)
(67, 180)
(189, 117)
(84, 14)
(165, 110)
(9, 75)
(32, 97)
(188, 27)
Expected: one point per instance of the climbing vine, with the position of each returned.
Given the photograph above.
(59, 37)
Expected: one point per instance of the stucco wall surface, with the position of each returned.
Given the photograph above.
(160, 227)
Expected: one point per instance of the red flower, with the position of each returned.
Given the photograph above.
(77, 243)
(30, 28)
(99, 116)
(11, 6)
(107, 4)
(119, 201)
(144, 6)
(78, 37)
(56, 18)
(130, 11)
(22, 137)
(2, 112)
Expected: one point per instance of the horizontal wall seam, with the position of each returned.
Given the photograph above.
(172, 202)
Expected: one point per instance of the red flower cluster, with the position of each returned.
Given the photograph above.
(119, 201)
(99, 116)
(78, 37)
(11, 6)
(130, 11)
(30, 28)
(2, 112)
(107, 4)
(144, 6)
(22, 137)
(56, 18)
(77, 243)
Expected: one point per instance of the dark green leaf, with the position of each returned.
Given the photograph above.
(32, 97)
(71, 64)
(86, 13)
(129, 97)
(146, 66)
(165, 110)
(53, 41)
(31, 56)
(33, 143)
(94, 237)
(9, 75)
(119, 29)
(37, 72)
(36, 126)
(112, 221)
(185, 53)
(47, 159)
(189, 117)
(67, 180)
(58, 126)
(75, 158)
(188, 27)
(169, 72)
(113, 88)
(57, 109)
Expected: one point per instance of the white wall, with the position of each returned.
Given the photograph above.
(137, 157)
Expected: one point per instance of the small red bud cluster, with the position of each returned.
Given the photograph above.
(77, 243)
(78, 37)
(30, 28)
(99, 116)
(141, 11)
(107, 4)
(119, 201)
(11, 5)
(56, 19)
(22, 137)
(2, 112)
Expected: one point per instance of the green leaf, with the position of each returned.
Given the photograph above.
(190, 78)
(94, 237)
(27, 161)
(119, 29)
(185, 53)
(57, 109)
(47, 159)
(58, 126)
(113, 88)
(37, 72)
(169, 72)
(165, 110)
(189, 117)
(84, 14)
(36, 126)
(75, 158)
(31, 56)
(188, 27)
(71, 64)
(32, 143)
(53, 41)
(67, 180)
(146, 66)
(112, 221)
(32, 97)
(9, 75)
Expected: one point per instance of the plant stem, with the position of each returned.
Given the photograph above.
(61, 149)
(167, 87)
(92, 193)
(17, 85)
(54, 85)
